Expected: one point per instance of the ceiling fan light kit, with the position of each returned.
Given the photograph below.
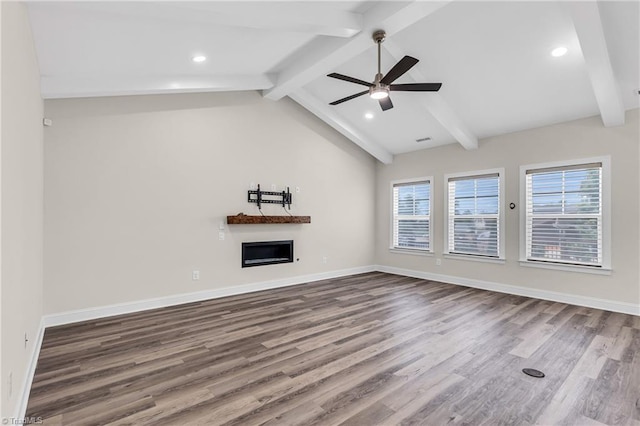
(382, 84)
(379, 92)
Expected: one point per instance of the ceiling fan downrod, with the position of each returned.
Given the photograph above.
(379, 36)
(379, 90)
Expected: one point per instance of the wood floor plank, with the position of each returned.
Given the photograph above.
(368, 349)
(416, 394)
(301, 414)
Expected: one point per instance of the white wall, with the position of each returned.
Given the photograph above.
(136, 187)
(22, 202)
(573, 140)
(1, 333)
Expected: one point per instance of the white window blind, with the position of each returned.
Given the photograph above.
(474, 215)
(412, 215)
(564, 215)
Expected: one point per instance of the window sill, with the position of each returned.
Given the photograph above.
(474, 258)
(568, 268)
(411, 252)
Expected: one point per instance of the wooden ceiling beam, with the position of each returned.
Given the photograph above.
(54, 87)
(435, 104)
(305, 18)
(329, 116)
(323, 56)
(588, 26)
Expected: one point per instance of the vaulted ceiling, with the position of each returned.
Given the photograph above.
(492, 58)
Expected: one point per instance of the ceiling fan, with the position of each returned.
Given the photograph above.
(381, 85)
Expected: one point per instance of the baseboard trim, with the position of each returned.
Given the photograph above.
(70, 317)
(31, 371)
(590, 302)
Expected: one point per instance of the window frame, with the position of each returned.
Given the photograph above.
(501, 221)
(418, 251)
(605, 196)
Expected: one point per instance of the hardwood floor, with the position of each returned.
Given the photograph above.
(370, 349)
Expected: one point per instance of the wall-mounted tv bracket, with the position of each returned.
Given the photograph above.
(258, 196)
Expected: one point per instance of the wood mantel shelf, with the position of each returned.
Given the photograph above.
(243, 219)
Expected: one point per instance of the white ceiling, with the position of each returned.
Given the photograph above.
(493, 59)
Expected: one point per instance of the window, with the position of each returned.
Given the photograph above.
(474, 222)
(411, 222)
(564, 213)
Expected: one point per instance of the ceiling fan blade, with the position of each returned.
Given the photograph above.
(348, 98)
(416, 87)
(349, 79)
(398, 69)
(385, 103)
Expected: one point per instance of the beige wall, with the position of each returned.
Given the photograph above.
(136, 187)
(572, 140)
(22, 197)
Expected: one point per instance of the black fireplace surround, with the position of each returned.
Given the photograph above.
(266, 253)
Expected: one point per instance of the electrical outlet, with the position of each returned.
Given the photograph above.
(273, 187)
(195, 275)
(221, 235)
(252, 186)
(438, 262)
(324, 259)
(221, 225)
(297, 189)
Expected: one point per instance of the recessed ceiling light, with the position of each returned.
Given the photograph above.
(199, 58)
(368, 116)
(559, 51)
